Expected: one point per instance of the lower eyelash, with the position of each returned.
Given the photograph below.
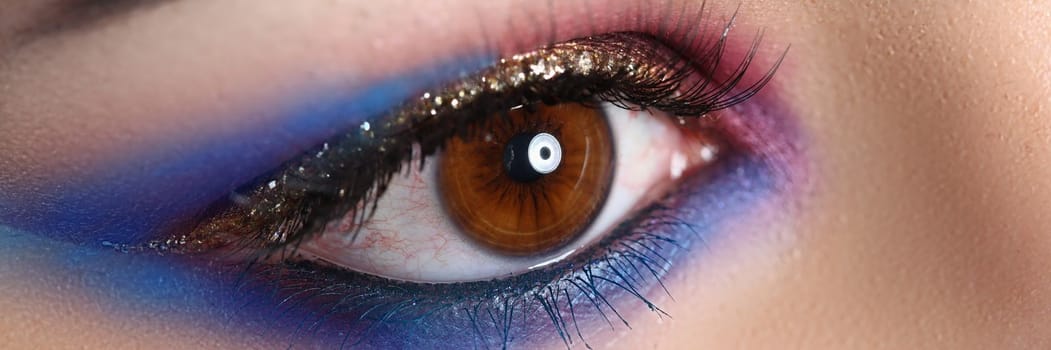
(568, 300)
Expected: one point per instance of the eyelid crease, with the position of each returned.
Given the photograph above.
(63, 16)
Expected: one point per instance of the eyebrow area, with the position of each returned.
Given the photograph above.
(62, 16)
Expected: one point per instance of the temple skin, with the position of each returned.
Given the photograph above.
(927, 125)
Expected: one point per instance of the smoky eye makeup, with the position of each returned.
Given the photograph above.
(542, 199)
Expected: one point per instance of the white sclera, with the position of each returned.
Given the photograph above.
(540, 142)
(411, 238)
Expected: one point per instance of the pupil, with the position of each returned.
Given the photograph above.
(545, 153)
(516, 159)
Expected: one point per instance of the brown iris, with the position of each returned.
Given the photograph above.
(530, 181)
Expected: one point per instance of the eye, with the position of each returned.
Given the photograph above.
(490, 204)
(515, 166)
(539, 188)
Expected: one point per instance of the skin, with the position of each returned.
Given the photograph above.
(922, 223)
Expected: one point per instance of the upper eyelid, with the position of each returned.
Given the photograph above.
(133, 171)
(488, 28)
(55, 17)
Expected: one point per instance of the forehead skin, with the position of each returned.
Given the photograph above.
(928, 130)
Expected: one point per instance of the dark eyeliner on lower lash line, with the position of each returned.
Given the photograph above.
(268, 218)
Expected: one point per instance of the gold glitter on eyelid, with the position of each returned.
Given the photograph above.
(569, 58)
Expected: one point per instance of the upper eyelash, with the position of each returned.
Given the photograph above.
(311, 191)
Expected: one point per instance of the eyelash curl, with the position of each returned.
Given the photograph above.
(344, 177)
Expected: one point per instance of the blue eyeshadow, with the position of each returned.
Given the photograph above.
(151, 192)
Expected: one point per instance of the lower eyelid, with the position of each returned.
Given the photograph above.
(531, 324)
